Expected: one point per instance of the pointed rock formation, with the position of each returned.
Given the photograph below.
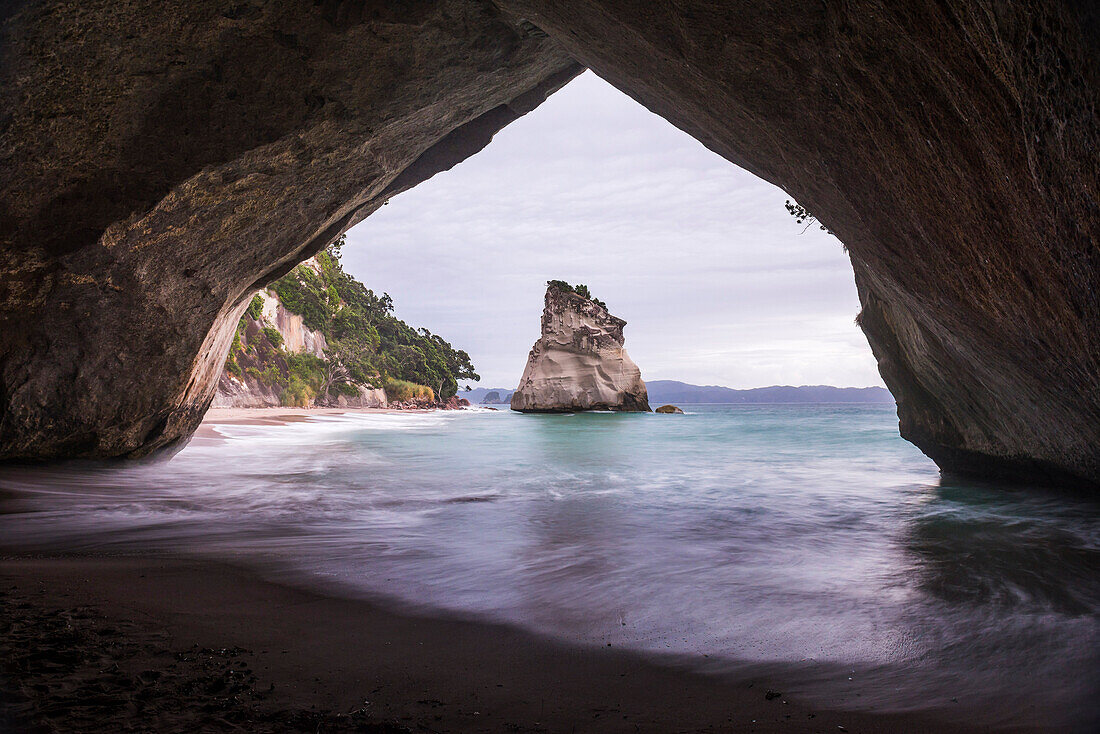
(579, 362)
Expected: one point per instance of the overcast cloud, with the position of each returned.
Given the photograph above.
(716, 282)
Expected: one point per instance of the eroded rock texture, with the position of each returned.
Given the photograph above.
(159, 161)
(578, 362)
(953, 146)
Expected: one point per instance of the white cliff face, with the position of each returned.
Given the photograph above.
(296, 335)
(579, 362)
(368, 397)
(239, 392)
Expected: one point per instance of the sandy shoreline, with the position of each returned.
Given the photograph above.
(207, 431)
(281, 416)
(185, 644)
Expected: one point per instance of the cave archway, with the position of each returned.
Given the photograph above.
(718, 283)
(159, 165)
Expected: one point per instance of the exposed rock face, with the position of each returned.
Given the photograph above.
(245, 392)
(367, 398)
(579, 362)
(297, 337)
(156, 167)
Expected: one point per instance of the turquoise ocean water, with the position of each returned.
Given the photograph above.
(809, 543)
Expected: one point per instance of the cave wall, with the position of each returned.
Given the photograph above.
(160, 161)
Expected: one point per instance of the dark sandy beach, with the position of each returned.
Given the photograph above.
(130, 644)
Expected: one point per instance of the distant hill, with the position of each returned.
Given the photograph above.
(671, 391)
(478, 394)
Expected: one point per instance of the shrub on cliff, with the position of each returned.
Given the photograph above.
(297, 394)
(255, 308)
(272, 335)
(801, 214)
(305, 293)
(272, 375)
(307, 369)
(580, 289)
(236, 349)
(405, 391)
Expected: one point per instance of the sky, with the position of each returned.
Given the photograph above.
(717, 283)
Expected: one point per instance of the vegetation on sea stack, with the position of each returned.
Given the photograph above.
(367, 344)
(580, 289)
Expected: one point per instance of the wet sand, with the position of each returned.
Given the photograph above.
(207, 431)
(104, 644)
(278, 416)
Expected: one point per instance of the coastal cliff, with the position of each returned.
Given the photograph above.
(252, 372)
(579, 363)
(318, 337)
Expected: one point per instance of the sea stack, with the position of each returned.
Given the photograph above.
(578, 363)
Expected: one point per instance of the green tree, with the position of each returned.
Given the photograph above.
(367, 344)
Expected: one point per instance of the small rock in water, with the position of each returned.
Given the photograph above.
(669, 409)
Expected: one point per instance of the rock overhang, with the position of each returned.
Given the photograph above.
(157, 169)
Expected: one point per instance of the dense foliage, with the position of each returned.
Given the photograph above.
(580, 289)
(367, 344)
(405, 391)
